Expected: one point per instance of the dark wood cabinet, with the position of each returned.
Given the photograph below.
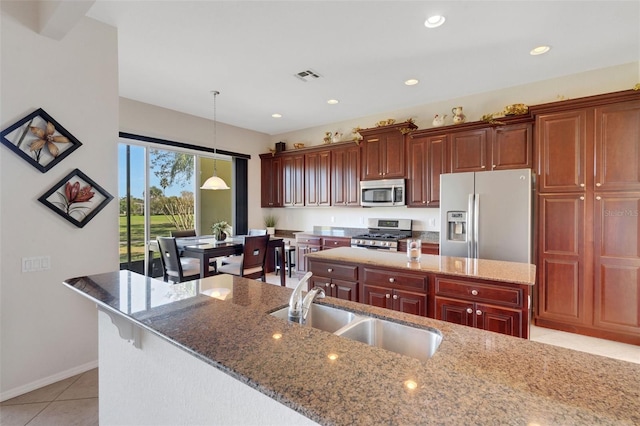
(383, 151)
(469, 150)
(427, 160)
(317, 173)
(512, 147)
(305, 244)
(502, 308)
(293, 180)
(271, 175)
(335, 242)
(588, 244)
(399, 300)
(337, 280)
(345, 176)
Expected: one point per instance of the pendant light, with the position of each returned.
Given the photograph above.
(214, 182)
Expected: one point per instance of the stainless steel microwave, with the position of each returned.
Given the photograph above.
(381, 193)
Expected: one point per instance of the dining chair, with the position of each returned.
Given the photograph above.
(183, 233)
(257, 232)
(176, 268)
(252, 260)
(237, 259)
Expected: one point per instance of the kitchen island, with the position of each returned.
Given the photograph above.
(232, 363)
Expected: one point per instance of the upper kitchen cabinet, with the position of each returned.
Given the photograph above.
(383, 151)
(317, 173)
(345, 176)
(512, 147)
(293, 180)
(271, 174)
(469, 150)
(427, 160)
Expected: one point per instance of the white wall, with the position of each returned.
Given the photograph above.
(613, 79)
(149, 120)
(47, 331)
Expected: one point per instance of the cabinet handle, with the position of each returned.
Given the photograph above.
(494, 166)
(582, 185)
(387, 295)
(395, 297)
(474, 292)
(326, 284)
(469, 310)
(424, 202)
(598, 198)
(478, 312)
(483, 167)
(333, 285)
(598, 184)
(582, 198)
(335, 243)
(329, 269)
(392, 280)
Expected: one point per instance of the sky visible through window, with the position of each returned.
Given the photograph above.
(137, 174)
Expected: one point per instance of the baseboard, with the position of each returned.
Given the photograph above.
(12, 393)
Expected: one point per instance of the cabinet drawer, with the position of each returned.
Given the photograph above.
(331, 270)
(309, 240)
(393, 278)
(334, 242)
(479, 292)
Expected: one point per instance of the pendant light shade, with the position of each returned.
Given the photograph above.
(214, 182)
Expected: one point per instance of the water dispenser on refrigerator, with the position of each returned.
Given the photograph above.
(457, 226)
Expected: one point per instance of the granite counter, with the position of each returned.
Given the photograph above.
(475, 377)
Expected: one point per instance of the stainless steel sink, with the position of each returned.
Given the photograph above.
(419, 343)
(415, 342)
(322, 317)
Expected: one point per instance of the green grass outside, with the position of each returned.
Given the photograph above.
(160, 226)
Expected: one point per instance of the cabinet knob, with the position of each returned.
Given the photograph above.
(333, 285)
(424, 202)
(335, 243)
(469, 310)
(582, 185)
(598, 184)
(395, 297)
(598, 198)
(392, 280)
(478, 312)
(387, 295)
(494, 166)
(483, 167)
(582, 197)
(329, 269)
(326, 284)
(474, 292)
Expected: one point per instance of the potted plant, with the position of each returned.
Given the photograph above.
(270, 222)
(219, 230)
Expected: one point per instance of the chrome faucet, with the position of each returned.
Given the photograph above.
(299, 307)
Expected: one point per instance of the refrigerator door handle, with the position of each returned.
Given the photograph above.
(476, 225)
(469, 225)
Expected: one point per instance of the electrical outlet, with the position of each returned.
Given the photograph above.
(432, 222)
(36, 263)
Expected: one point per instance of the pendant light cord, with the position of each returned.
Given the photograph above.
(215, 131)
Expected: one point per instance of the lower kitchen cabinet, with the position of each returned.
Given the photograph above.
(337, 280)
(399, 300)
(500, 307)
(306, 244)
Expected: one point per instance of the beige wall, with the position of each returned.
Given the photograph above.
(48, 332)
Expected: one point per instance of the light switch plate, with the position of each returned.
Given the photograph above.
(36, 263)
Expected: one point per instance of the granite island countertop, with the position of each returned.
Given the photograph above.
(495, 270)
(475, 377)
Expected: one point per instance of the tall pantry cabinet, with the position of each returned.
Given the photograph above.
(588, 243)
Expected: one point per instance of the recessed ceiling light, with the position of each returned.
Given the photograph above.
(411, 82)
(434, 21)
(276, 115)
(333, 101)
(539, 50)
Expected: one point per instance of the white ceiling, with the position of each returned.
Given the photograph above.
(173, 53)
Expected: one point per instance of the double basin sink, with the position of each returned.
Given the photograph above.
(414, 342)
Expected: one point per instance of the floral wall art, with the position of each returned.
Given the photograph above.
(40, 140)
(76, 198)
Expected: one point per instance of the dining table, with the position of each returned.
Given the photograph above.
(207, 247)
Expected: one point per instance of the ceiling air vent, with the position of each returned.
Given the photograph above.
(307, 75)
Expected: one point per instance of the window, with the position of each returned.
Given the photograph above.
(159, 191)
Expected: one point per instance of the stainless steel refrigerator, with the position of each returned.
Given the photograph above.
(487, 215)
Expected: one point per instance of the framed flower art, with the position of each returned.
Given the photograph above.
(76, 198)
(40, 140)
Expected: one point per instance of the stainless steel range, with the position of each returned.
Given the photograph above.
(383, 234)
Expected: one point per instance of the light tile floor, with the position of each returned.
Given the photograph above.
(74, 401)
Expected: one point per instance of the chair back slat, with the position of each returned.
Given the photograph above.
(255, 252)
(184, 233)
(253, 232)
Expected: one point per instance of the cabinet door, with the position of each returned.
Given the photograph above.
(617, 147)
(511, 147)
(302, 263)
(562, 151)
(372, 158)
(561, 274)
(469, 151)
(455, 311)
(376, 296)
(617, 262)
(293, 180)
(345, 290)
(394, 163)
(410, 302)
(317, 169)
(345, 179)
(271, 182)
(427, 160)
(499, 320)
